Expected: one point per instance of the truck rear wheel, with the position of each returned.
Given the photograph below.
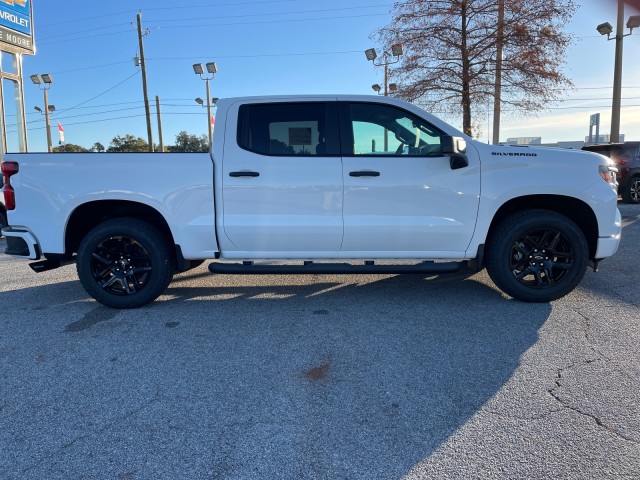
(3, 221)
(537, 255)
(125, 263)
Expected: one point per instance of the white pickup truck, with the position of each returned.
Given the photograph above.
(316, 184)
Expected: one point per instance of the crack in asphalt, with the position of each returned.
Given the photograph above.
(600, 357)
(595, 418)
(127, 415)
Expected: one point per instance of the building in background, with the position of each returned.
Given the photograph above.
(16, 40)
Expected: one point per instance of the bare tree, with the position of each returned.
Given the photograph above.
(452, 47)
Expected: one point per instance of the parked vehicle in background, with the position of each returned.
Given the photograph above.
(626, 156)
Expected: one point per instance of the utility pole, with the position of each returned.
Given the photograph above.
(497, 96)
(143, 64)
(159, 123)
(47, 122)
(617, 77)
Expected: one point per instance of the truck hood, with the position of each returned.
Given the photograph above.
(541, 155)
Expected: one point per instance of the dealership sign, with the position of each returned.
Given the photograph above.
(16, 29)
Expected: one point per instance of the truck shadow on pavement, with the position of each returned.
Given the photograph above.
(278, 377)
(350, 380)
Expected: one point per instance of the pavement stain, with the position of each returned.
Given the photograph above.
(318, 373)
(91, 318)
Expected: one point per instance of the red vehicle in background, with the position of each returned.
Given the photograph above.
(627, 159)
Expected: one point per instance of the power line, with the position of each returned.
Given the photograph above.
(75, 32)
(111, 119)
(180, 7)
(82, 38)
(274, 21)
(171, 27)
(296, 12)
(90, 68)
(100, 94)
(263, 55)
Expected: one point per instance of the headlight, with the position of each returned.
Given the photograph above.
(608, 174)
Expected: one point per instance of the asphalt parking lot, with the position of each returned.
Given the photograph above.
(322, 377)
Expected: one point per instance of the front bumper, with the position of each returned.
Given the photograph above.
(607, 246)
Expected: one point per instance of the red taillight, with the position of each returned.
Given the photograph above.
(8, 170)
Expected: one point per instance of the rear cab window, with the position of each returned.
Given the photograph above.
(289, 129)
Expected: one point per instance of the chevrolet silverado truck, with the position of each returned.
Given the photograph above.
(317, 185)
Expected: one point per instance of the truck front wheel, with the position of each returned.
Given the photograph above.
(125, 263)
(537, 255)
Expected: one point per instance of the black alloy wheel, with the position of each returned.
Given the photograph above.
(541, 258)
(537, 255)
(631, 194)
(125, 263)
(121, 265)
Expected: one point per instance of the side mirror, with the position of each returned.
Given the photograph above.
(455, 148)
(452, 145)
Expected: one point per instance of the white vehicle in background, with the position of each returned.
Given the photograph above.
(332, 184)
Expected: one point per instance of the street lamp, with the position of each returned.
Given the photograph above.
(52, 108)
(44, 82)
(212, 69)
(607, 29)
(387, 59)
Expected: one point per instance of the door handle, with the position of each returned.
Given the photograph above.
(364, 173)
(244, 174)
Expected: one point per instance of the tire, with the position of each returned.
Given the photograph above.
(3, 222)
(631, 193)
(537, 255)
(125, 263)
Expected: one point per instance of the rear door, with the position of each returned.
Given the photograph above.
(400, 193)
(282, 179)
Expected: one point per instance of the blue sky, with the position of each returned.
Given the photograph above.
(265, 47)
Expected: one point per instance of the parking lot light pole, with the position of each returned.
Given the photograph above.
(607, 29)
(212, 69)
(44, 82)
(387, 59)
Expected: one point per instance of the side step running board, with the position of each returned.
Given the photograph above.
(247, 268)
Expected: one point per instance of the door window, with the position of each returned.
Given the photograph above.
(289, 129)
(385, 130)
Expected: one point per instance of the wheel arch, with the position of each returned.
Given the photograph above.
(88, 215)
(572, 208)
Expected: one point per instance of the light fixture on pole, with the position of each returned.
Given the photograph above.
(212, 69)
(44, 82)
(607, 29)
(51, 108)
(387, 59)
